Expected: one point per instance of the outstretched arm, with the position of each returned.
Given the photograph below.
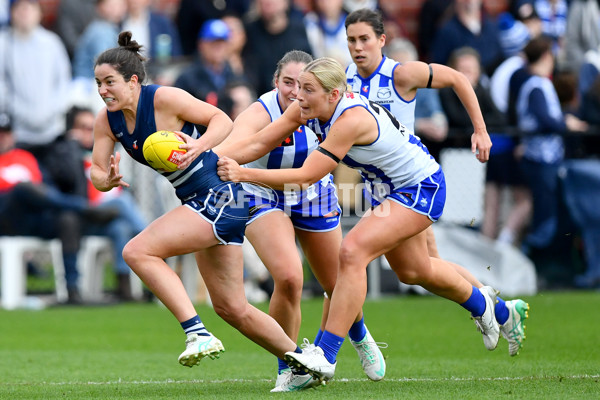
(354, 126)
(415, 75)
(252, 147)
(104, 172)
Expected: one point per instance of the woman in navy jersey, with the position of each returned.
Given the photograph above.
(211, 218)
(407, 193)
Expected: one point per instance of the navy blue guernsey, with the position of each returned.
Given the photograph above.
(196, 179)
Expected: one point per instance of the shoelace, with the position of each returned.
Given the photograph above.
(368, 354)
(307, 345)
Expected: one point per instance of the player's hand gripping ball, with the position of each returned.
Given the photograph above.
(161, 150)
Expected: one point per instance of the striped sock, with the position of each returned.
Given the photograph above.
(194, 325)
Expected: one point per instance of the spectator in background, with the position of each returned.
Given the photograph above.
(210, 72)
(157, 33)
(326, 32)
(237, 96)
(590, 103)
(502, 168)
(4, 13)
(192, 14)
(98, 36)
(433, 14)
(470, 26)
(271, 35)
(535, 107)
(128, 220)
(353, 5)
(582, 33)
(431, 124)
(31, 207)
(553, 14)
(34, 86)
(237, 41)
(513, 40)
(72, 17)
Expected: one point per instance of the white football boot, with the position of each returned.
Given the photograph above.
(199, 346)
(486, 323)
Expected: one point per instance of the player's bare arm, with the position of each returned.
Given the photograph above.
(104, 172)
(355, 126)
(173, 106)
(252, 147)
(249, 122)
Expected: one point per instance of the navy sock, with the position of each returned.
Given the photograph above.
(281, 365)
(331, 345)
(358, 330)
(318, 337)
(476, 303)
(501, 311)
(194, 325)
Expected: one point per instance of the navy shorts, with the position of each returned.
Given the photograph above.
(225, 208)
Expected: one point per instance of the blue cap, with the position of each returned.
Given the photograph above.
(214, 29)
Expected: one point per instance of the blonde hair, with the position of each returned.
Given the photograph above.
(329, 72)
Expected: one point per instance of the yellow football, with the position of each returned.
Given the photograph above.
(161, 150)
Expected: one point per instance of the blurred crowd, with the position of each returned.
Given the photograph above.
(225, 53)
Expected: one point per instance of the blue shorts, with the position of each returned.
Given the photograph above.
(225, 208)
(319, 214)
(427, 197)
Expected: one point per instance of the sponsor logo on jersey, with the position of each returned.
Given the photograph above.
(384, 93)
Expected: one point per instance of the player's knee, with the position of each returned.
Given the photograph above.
(412, 275)
(289, 281)
(232, 312)
(351, 255)
(131, 253)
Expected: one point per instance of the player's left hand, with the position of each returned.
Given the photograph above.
(229, 170)
(481, 145)
(193, 148)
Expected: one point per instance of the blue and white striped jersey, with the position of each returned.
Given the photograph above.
(379, 87)
(291, 153)
(396, 159)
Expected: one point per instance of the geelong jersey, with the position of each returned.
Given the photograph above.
(379, 88)
(396, 159)
(198, 178)
(291, 153)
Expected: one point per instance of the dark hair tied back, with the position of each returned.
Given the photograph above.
(126, 41)
(126, 58)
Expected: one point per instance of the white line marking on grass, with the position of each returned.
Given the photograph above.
(213, 381)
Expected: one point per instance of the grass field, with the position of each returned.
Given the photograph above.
(130, 352)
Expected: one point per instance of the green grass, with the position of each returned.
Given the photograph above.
(130, 352)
